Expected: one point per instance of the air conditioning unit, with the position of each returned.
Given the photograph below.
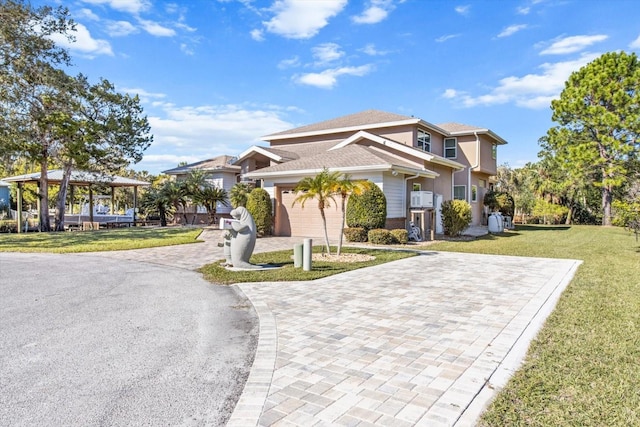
(421, 199)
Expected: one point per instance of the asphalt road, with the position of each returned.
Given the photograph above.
(88, 341)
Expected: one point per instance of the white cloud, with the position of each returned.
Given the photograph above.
(635, 44)
(289, 63)
(129, 6)
(88, 14)
(144, 96)
(463, 10)
(371, 50)
(376, 11)
(84, 43)
(450, 93)
(302, 19)
(572, 44)
(257, 35)
(326, 53)
(121, 28)
(186, 49)
(327, 79)
(447, 37)
(531, 91)
(512, 29)
(372, 15)
(192, 133)
(523, 10)
(156, 29)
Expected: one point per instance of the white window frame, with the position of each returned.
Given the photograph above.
(474, 193)
(421, 143)
(464, 193)
(454, 148)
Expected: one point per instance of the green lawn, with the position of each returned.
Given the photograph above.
(584, 367)
(95, 241)
(283, 259)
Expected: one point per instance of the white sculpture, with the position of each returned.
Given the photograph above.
(243, 238)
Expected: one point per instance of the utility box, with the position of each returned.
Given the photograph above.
(421, 199)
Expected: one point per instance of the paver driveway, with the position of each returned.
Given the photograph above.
(420, 341)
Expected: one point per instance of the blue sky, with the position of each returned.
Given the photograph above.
(216, 75)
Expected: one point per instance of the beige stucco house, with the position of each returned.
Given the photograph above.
(415, 163)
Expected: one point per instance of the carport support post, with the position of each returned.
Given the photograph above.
(297, 255)
(19, 207)
(306, 255)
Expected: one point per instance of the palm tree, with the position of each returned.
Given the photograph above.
(193, 186)
(175, 194)
(344, 187)
(155, 201)
(239, 194)
(209, 196)
(320, 187)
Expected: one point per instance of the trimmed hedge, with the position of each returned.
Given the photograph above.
(259, 206)
(380, 236)
(367, 210)
(355, 234)
(400, 236)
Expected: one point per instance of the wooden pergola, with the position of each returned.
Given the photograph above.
(78, 179)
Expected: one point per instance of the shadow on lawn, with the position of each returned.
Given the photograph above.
(541, 227)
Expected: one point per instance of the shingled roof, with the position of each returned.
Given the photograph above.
(359, 120)
(214, 164)
(350, 157)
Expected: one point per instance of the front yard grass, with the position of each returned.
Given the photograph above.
(217, 274)
(583, 368)
(99, 240)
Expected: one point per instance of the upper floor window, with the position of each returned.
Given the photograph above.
(450, 148)
(424, 140)
(494, 151)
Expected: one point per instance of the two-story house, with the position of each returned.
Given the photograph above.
(415, 163)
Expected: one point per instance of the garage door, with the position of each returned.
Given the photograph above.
(305, 222)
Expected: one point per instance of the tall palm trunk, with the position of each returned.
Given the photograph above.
(344, 215)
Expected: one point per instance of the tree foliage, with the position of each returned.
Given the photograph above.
(344, 188)
(321, 188)
(597, 140)
(55, 120)
(239, 194)
(367, 210)
(456, 216)
(260, 207)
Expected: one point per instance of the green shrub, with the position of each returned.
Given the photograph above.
(400, 236)
(8, 226)
(380, 236)
(259, 206)
(355, 234)
(367, 210)
(456, 216)
(499, 201)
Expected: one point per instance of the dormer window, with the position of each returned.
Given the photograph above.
(424, 140)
